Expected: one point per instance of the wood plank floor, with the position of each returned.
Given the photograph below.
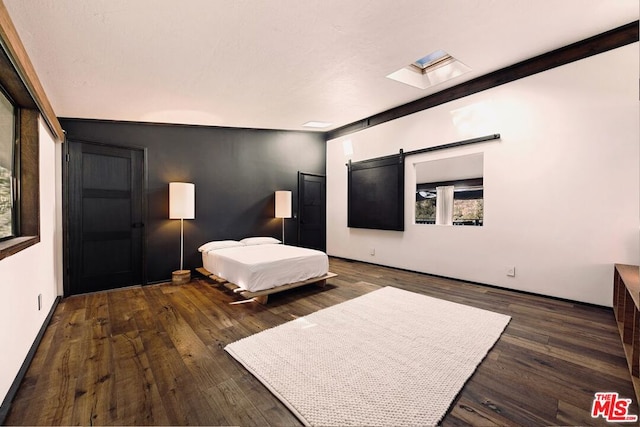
(154, 355)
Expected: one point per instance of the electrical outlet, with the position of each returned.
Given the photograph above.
(372, 252)
(511, 271)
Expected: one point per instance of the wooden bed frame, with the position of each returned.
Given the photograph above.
(263, 296)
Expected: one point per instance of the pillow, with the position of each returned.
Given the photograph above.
(219, 244)
(250, 241)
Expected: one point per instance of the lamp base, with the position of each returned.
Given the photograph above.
(180, 277)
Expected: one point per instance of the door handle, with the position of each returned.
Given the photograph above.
(137, 225)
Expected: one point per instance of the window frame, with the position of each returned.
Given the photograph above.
(28, 191)
(21, 83)
(27, 161)
(15, 152)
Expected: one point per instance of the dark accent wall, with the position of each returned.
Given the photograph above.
(235, 171)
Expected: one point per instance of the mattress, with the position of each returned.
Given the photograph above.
(259, 267)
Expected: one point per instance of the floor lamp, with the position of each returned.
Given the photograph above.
(181, 206)
(283, 207)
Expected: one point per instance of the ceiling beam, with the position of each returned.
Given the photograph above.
(600, 43)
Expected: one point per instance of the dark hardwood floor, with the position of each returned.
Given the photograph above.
(154, 355)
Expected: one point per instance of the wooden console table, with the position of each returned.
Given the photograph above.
(626, 307)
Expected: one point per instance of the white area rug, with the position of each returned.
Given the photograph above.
(390, 357)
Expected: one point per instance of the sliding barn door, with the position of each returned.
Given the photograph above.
(105, 192)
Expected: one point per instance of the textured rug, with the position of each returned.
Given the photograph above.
(390, 357)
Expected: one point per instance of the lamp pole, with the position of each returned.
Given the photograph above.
(283, 231)
(181, 242)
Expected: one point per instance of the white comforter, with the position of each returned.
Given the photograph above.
(261, 267)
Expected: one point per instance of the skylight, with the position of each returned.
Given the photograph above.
(317, 124)
(430, 70)
(432, 59)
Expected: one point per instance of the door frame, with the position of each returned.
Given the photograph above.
(301, 176)
(66, 280)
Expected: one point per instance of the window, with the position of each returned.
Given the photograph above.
(20, 215)
(450, 191)
(7, 168)
(426, 206)
(19, 154)
(466, 206)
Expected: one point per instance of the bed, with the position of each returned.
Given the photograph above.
(259, 266)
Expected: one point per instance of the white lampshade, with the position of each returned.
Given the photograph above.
(283, 204)
(182, 197)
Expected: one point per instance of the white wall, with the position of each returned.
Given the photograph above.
(561, 185)
(35, 270)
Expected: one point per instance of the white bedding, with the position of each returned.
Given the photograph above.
(259, 267)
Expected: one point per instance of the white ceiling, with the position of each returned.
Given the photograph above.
(280, 63)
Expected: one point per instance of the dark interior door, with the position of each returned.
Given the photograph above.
(312, 230)
(105, 187)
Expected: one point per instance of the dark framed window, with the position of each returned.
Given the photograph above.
(25, 159)
(21, 85)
